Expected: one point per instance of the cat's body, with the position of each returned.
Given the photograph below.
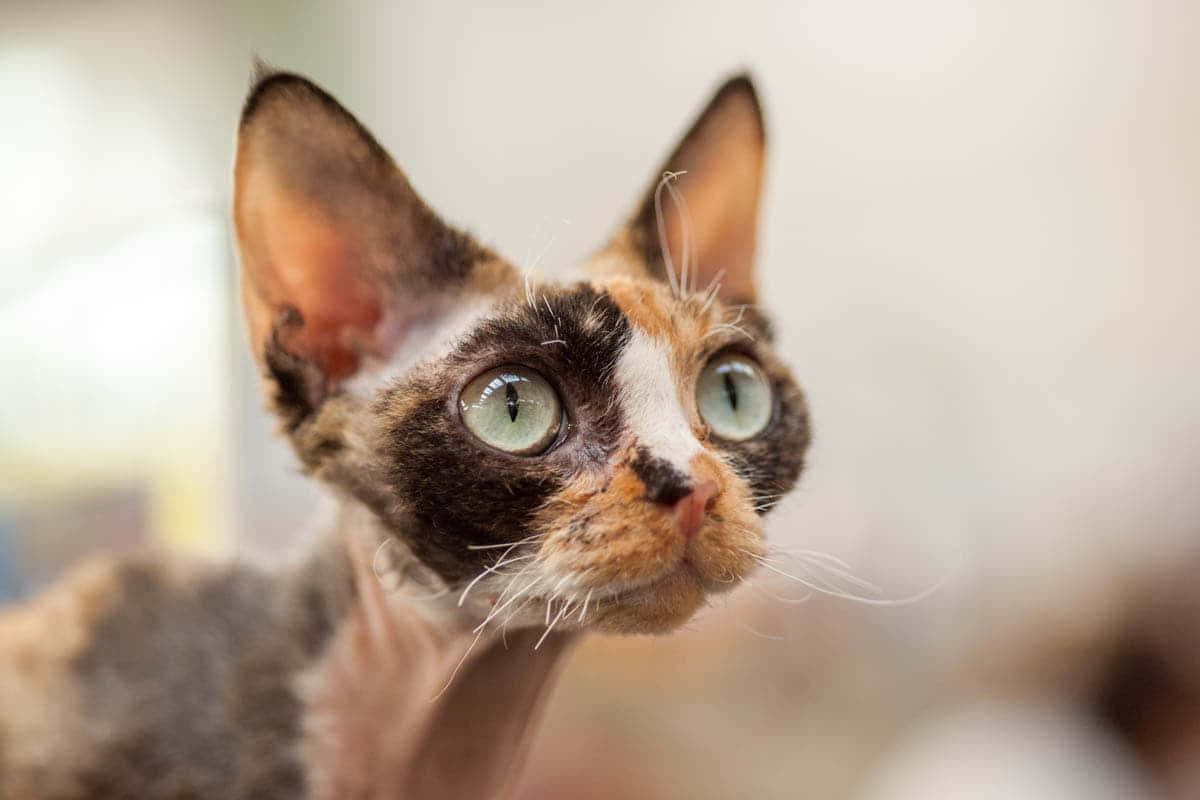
(126, 667)
(514, 461)
(153, 679)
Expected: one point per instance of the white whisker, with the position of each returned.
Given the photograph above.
(710, 293)
(458, 666)
(491, 571)
(517, 610)
(686, 219)
(663, 241)
(760, 634)
(492, 614)
(583, 611)
(551, 626)
(832, 565)
(852, 597)
(542, 253)
(790, 601)
(375, 558)
(502, 544)
(727, 326)
(512, 581)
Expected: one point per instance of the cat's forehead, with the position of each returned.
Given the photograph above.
(680, 320)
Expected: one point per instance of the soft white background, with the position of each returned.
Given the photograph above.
(979, 240)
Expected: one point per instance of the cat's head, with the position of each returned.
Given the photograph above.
(601, 450)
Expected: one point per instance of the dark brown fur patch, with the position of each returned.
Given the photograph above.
(664, 483)
(297, 385)
(773, 460)
(462, 492)
(183, 686)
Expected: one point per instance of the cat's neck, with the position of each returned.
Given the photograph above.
(405, 703)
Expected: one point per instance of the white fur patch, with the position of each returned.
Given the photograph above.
(650, 399)
(426, 338)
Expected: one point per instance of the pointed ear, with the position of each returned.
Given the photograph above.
(718, 169)
(340, 257)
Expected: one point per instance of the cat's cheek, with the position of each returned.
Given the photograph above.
(728, 545)
(728, 549)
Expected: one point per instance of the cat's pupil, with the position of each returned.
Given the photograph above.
(511, 399)
(731, 391)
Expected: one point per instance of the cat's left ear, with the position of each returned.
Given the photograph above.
(717, 171)
(340, 256)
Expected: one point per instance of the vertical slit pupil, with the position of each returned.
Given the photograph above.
(511, 399)
(731, 391)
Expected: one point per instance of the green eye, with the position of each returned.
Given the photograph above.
(513, 409)
(734, 398)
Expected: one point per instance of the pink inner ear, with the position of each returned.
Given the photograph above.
(308, 263)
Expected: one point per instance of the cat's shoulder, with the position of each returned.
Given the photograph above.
(41, 636)
(124, 661)
(41, 644)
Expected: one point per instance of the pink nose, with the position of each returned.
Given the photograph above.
(689, 509)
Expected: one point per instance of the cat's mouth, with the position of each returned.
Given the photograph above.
(659, 604)
(652, 605)
(664, 601)
(644, 580)
(663, 588)
(682, 570)
(613, 562)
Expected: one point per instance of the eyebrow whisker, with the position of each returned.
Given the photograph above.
(663, 242)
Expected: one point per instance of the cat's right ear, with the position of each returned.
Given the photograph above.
(697, 222)
(340, 257)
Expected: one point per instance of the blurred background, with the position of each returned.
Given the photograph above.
(980, 240)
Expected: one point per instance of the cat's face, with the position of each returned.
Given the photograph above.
(598, 452)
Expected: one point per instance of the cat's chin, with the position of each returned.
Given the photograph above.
(658, 607)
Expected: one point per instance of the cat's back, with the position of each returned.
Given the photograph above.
(145, 678)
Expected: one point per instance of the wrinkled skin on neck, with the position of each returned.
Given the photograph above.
(405, 705)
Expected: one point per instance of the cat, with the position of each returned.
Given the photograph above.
(515, 462)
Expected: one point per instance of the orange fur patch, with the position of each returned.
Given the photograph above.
(647, 305)
(611, 540)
